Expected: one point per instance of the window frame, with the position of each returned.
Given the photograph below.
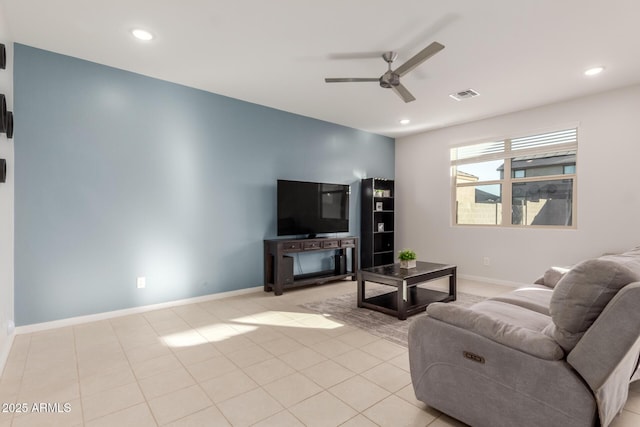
(507, 154)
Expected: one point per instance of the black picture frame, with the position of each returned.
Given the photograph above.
(9, 125)
(3, 113)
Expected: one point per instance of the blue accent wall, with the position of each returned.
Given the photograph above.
(119, 175)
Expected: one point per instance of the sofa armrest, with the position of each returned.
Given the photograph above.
(607, 354)
(526, 340)
(612, 336)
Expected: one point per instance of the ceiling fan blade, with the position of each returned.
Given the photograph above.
(403, 93)
(419, 58)
(352, 80)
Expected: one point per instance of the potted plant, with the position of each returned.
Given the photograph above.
(407, 258)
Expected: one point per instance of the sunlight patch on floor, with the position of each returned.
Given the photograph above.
(218, 332)
(221, 331)
(183, 339)
(286, 319)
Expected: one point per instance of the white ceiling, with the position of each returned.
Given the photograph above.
(516, 53)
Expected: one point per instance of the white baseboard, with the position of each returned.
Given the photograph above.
(492, 281)
(6, 349)
(72, 321)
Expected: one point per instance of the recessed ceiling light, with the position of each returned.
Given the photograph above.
(142, 34)
(593, 71)
(405, 121)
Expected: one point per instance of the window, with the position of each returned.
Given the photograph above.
(518, 182)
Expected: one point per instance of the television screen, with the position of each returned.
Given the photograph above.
(312, 208)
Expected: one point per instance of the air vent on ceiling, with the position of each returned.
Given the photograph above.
(465, 94)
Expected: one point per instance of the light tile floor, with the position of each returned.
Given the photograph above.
(251, 360)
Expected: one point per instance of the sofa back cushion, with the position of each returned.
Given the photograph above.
(630, 259)
(581, 295)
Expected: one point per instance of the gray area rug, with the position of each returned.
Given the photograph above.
(343, 308)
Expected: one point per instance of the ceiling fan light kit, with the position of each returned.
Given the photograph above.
(391, 79)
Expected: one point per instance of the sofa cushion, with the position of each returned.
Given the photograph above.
(495, 322)
(512, 314)
(582, 294)
(553, 275)
(532, 297)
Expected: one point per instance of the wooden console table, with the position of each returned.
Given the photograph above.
(278, 266)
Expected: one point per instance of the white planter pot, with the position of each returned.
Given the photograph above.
(408, 264)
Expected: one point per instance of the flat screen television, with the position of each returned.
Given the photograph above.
(312, 208)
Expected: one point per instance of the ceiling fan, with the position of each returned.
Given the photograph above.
(391, 79)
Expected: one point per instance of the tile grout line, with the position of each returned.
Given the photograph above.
(181, 364)
(194, 378)
(24, 367)
(260, 386)
(133, 372)
(75, 352)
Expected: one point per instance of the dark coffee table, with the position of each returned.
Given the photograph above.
(407, 298)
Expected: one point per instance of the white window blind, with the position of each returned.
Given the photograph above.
(477, 150)
(569, 136)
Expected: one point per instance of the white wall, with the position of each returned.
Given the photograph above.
(608, 202)
(6, 206)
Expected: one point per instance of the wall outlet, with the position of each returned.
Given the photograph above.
(11, 327)
(141, 282)
(486, 261)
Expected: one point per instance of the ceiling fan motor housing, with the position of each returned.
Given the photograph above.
(389, 80)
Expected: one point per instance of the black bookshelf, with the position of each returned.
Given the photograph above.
(377, 222)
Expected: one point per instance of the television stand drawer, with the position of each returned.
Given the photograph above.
(311, 245)
(347, 243)
(331, 244)
(291, 246)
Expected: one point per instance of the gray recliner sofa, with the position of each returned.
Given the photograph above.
(560, 352)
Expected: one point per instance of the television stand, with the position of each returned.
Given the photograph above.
(278, 265)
